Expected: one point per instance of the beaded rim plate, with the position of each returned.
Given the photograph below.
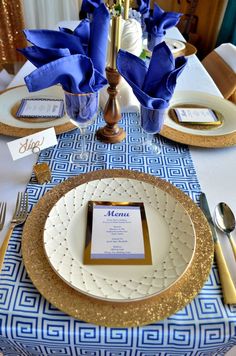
(171, 233)
(100, 312)
(10, 101)
(217, 136)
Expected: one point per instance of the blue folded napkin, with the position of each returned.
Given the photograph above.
(99, 33)
(49, 45)
(160, 21)
(153, 85)
(82, 31)
(143, 7)
(89, 39)
(75, 73)
(88, 7)
(40, 56)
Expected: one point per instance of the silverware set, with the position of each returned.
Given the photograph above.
(19, 217)
(225, 221)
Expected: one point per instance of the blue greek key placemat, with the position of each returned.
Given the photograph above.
(29, 325)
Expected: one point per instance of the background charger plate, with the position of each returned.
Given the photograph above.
(184, 48)
(116, 314)
(10, 101)
(188, 51)
(218, 136)
(175, 45)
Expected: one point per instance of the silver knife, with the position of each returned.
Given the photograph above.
(228, 287)
(205, 208)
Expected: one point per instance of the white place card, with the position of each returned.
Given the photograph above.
(32, 144)
(117, 234)
(196, 116)
(41, 108)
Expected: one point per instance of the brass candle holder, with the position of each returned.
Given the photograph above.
(111, 132)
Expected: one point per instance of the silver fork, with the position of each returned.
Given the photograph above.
(3, 207)
(18, 218)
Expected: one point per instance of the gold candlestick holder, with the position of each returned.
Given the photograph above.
(111, 132)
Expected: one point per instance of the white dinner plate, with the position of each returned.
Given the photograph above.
(172, 238)
(214, 136)
(11, 99)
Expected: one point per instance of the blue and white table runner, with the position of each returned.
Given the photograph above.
(29, 325)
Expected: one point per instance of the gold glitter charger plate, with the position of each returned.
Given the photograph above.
(121, 314)
(10, 100)
(171, 235)
(223, 135)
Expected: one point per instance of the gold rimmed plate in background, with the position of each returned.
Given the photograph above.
(10, 100)
(223, 135)
(177, 47)
(188, 51)
(112, 313)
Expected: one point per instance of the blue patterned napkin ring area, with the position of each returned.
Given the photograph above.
(152, 120)
(82, 107)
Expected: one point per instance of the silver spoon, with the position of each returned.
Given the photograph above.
(225, 221)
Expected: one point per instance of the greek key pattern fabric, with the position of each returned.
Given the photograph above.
(29, 325)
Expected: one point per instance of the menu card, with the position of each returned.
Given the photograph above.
(117, 234)
(41, 108)
(203, 116)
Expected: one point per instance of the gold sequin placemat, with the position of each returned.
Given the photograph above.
(115, 314)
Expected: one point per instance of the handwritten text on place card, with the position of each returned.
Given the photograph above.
(35, 143)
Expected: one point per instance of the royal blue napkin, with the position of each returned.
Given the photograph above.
(82, 31)
(89, 38)
(160, 21)
(49, 45)
(75, 73)
(88, 6)
(56, 51)
(143, 6)
(40, 56)
(153, 85)
(99, 31)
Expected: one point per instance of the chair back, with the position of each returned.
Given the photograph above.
(221, 65)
